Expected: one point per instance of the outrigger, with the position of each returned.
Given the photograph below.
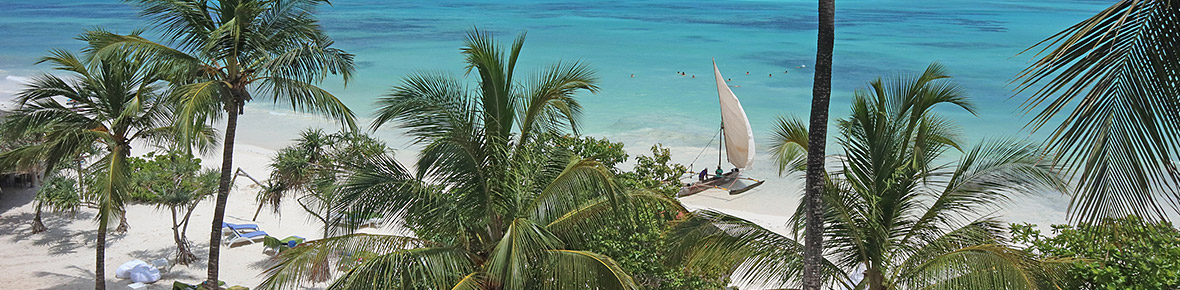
(737, 141)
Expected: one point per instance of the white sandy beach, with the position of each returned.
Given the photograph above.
(63, 256)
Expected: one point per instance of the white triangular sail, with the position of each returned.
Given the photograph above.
(739, 138)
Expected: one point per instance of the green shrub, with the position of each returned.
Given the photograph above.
(1124, 253)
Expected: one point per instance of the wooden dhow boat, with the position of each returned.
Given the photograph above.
(737, 144)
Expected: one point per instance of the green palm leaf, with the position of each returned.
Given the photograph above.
(1109, 81)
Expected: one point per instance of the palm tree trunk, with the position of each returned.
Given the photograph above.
(100, 282)
(227, 159)
(821, 92)
(38, 226)
(876, 279)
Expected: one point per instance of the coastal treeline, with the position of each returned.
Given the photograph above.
(506, 193)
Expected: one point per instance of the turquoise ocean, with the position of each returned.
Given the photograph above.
(637, 48)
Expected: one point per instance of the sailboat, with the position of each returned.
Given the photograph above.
(737, 139)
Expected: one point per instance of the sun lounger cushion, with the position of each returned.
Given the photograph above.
(238, 227)
(252, 234)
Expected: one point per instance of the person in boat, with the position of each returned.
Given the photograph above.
(720, 172)
(704, 173)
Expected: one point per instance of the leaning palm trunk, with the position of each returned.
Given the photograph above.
(100, 282)
(223, 186)
(816, 143)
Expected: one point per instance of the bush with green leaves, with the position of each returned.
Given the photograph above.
(638, 243)
(1127, 253)
(655, 172)
(608, 153)
(175, 181)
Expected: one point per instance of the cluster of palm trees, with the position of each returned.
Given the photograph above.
(126, 88)
(489, 206)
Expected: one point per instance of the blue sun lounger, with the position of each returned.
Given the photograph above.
(238, 237)
(239, 227)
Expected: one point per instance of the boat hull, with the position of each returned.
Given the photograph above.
(718, 183)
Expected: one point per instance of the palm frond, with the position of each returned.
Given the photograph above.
(549, 103)
(519, 254)
(585, 270)
(292, 268)
(788, 145)
(1109, 81)
(306, 97)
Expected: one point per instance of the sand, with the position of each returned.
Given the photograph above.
(63, 256)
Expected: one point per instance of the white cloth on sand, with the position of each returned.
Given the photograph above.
(144, 274)
(122, 271)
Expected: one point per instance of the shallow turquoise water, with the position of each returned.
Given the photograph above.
(977, 40)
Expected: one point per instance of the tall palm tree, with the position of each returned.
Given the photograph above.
(821, 92)
(1110, 81)
(894, 213)
(226, 51)
(116, 99)
(489, 205)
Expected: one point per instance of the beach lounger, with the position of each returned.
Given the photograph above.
(238, 237)
(241, 228)
(274, 245)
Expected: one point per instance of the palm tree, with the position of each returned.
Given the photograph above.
(821, 92)
(116, 100)
(893, 212)
(1114, 74)
(227, 51)
(489, 206)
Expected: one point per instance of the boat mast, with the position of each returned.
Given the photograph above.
(720, 145)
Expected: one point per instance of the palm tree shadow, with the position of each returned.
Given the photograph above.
(79, 279)
(58, 236)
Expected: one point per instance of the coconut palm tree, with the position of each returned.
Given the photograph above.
(821, 92)
(116, 99)
(489, 205)
(896, 217)
(1110, 81)
(225, 52)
